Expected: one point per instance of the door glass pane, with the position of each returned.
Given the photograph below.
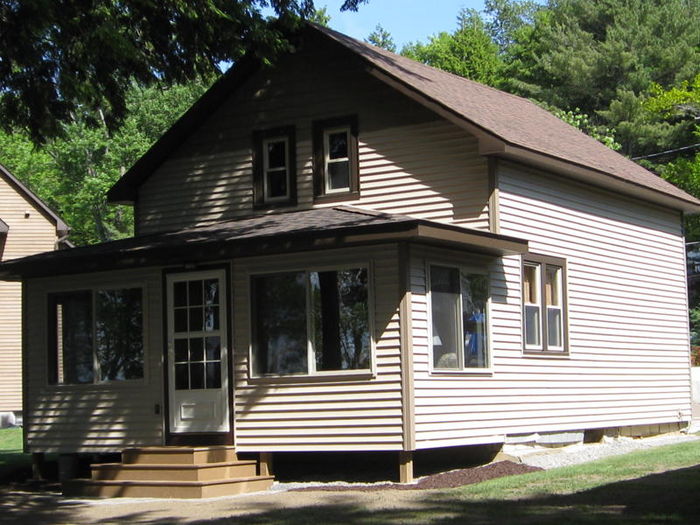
(340, 319)
(532, 325)
(214, 375)
(475, 294)
(279, 323)
(196, 376)
(180, 294)
(211, 318)
(196, 349)
(213, 347)
(196, 319)
(182, 381)
(444, 303)
(211, 292)
(195, 293)
(181, 353)
(180, 315)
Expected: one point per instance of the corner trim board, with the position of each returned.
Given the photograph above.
(406, 342)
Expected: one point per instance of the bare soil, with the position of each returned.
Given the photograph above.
(443, 480)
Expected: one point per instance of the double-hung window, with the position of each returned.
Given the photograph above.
(336, 173)
(274, 167)
(459, 324)
(311, 321)
(96, 336)
(544, 303)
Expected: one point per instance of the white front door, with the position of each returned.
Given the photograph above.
(197, 352)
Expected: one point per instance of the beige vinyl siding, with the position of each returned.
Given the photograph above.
(410, 161)
(628, 326)
(27, 235)
(101, 417)
(345, 413)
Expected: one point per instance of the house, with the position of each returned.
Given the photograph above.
(27, 226)
(351, 251)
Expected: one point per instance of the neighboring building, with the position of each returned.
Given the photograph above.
(27, 226)
(351, 251)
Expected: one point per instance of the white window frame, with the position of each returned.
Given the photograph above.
(538, 288)
(460, 354)
(97, 372)
(266, 168)
(327, 160)
(311, 372)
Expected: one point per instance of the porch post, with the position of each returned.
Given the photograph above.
(265, 464)
(405, 466)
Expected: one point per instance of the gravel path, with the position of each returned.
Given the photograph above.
(548, 458)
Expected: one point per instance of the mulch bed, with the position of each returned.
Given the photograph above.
(443, 480)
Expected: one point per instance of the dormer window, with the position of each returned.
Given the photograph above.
(274, 168)
(336, 174)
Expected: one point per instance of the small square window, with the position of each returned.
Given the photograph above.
(274, 168)
(336, 172)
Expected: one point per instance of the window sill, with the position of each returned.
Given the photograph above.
(112, 385)
(359, 375)
(464, 372)
(556, 354)
(275, 205)
(336, 197)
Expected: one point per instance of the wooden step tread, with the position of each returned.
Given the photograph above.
(150, 483)
(171, 466)
(178, 449)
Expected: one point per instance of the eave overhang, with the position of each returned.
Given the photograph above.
(192, 248)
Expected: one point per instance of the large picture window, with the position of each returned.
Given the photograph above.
(336, 170)
(96, 336)
(544, 303)
(459, 327)
(274, 167)
(306, 322)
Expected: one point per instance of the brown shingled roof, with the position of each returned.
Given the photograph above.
(319, 228)
(507, 126)
(513, 119)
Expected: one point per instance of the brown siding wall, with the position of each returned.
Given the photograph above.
(26, 236)
(628, 324)
(344, 413)
(410, 161)
(101, 417)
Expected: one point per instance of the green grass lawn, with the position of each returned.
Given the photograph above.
(11, 457)
(660, 485)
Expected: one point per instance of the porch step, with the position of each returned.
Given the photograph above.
(179, 455)
(165, 489)
(201, 472)
(172, 472)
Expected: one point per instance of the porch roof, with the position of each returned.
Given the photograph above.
(305, 230)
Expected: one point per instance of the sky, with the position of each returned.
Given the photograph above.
(406, 20)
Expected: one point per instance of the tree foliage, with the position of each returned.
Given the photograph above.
(602, 57)
(59, 58)
(380, 37)
(72, 173)
(469, 51)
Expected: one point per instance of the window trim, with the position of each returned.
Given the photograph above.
(52, 342)
(321, 130)
(542, 261)
(487, 370)
(312, 375)
(260, 139)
